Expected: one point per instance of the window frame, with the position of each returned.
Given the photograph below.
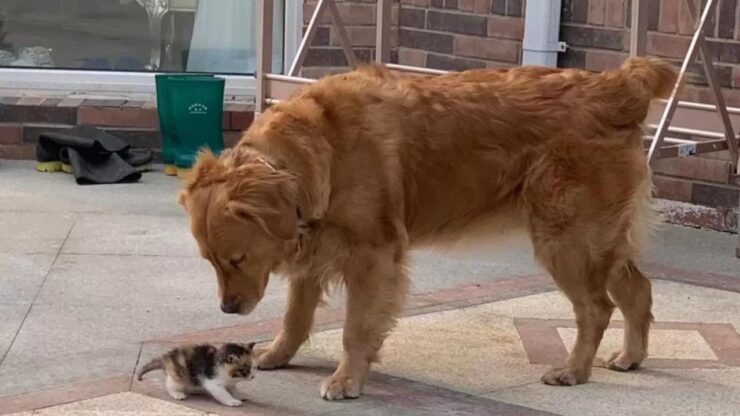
(27, 81)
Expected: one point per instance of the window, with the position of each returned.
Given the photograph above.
(103, 45)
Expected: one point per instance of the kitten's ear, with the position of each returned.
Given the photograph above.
(250, 346)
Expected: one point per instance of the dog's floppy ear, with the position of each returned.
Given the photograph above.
(278, 218)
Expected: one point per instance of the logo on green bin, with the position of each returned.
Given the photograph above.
(198, 108)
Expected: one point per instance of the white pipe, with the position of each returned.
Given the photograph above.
(542, 33)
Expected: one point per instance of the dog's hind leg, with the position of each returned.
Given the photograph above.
(376, 287)
(584, 283)
(631, 291)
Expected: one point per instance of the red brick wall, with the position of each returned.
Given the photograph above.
(597, 32)
(461, 34)
(359, 16)
(442, 34)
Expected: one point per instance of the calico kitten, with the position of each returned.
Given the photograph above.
(205, 368)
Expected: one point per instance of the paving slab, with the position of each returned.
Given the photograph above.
(672, 302)
(131, 234)
(446, 349)
(45, 366)
(121, 404)
(694, 249)
(646, 392)
(21, 276)
(11, 317)
(24, 189)
(34, 232)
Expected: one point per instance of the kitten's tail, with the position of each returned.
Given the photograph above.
(155, 364)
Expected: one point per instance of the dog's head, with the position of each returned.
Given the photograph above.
(243, 215)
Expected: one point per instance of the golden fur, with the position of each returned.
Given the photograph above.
(338, 182)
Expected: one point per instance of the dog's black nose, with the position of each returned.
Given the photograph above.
(229, 306)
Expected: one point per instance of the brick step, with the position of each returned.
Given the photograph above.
(105, 113)
(702, 168)
(18, 141)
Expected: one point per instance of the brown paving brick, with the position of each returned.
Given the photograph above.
(64, 394)
(231, 138)
(717, 196)
(506, 27)
(498, 7)
(710, 280)
(592, 37)
(575, 11)
(544, 345)
(31, 101)
(615, 13)
(597, 12)
(413, 17)
(672, 188)
(412, 57)
(37, 114)
(9, 100)
(428, 41)
(71, 102)
(118, 116)
(514, 8)
(667, 46)
(727, 12)
(457, 23)
(572, 58)
(241, 118)
(487, 48)
(668, 21)
(697, 168)
(10, 133)
(32, 131)
(138, 137)
(452, 63)
(603, 60)
(134, 104)
(51, 102)
(18, 151)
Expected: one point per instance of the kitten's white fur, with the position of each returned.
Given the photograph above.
(222, 388)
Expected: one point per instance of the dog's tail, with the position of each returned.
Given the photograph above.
(633, 86)
(155, 364)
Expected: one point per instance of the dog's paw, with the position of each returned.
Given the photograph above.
(178, 395)
(338, 387)
(232, 403)
(622, 362)
(563, 377)
(271, 358)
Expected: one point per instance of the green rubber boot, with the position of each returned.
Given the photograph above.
(170, 140)
(197, 108)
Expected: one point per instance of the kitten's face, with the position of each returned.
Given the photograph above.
(237, 360)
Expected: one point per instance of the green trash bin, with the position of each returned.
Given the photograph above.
(170, 141)
(197, 109)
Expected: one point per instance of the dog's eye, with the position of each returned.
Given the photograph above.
(237, 261)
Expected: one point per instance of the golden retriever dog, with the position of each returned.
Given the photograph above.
(336, 184)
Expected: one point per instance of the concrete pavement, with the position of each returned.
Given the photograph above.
(94, 280)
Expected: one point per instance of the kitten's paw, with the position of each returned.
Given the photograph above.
(178, 395)
(337, 387)
(232, 403)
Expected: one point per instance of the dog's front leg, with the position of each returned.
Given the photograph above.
(376, 287)
(303, 298)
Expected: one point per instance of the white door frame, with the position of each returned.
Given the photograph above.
(32, 81)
